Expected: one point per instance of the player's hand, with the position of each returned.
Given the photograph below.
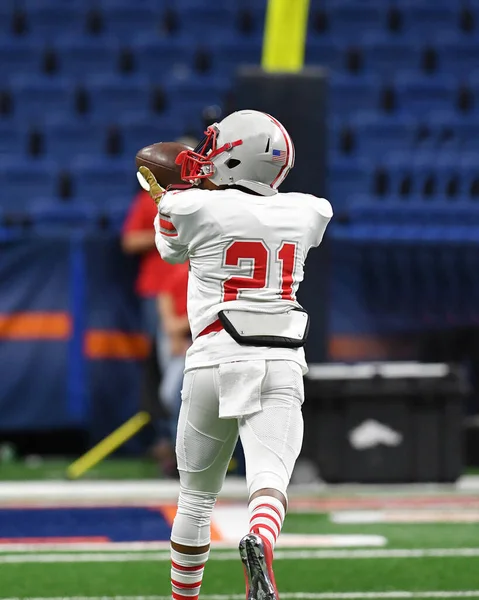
(148, 182)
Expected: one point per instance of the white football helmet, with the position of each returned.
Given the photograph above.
(247, 148)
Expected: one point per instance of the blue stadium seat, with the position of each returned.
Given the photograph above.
(326, 51)
(228, 55)
(6, 17)
(90, 184)
(474, 87)
(19, 55)
(34, 98)
(347, 178)
(420, 95)
(206, 22)
(23, 181)
(429, 21)
(464, 130)
(350, 94)
(189, 97)
(459, 55)
(49, 216)
(394, 211)
(13, 140)
(166, 56)
(351, 20)
(47, 20)
(83, 56)
(384, 55)
(125, 21)
(154, 5)
(137, 133)
(111, 97)
(68, 139)
(470, 176)
(434, 171)
(378, 135)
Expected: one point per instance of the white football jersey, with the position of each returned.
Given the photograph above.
(245, 252)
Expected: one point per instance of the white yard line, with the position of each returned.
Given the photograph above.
(292, 596)
(107, 557)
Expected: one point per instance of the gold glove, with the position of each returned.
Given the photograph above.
(148, 182)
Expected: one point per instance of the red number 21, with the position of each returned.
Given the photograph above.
(258, 254)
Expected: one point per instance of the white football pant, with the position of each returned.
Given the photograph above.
(271, 440)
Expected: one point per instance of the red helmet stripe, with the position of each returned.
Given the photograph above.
(289, 152)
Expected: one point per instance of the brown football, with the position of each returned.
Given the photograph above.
(160, 159)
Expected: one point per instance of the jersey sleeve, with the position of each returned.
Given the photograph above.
(178, 224)
(322, 214)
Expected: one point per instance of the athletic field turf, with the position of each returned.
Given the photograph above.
(415, 547)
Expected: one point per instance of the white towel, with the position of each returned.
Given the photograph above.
(240, 388)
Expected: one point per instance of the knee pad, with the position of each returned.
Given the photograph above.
(191, 526)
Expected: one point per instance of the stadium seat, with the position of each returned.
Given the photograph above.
(47, 20)
(139, 132)
(13, 140)
(117, 4)
(68, 139)
(459, 55)
(110, 97)
(347, 178)
(350, 20)
(191, 96)
(124, 21)
(326, 51)
(90, 184)
(162, 57)
(464, 129)
(350, 94)
(429, 21)
(34, 98)
(82, 56)
(19, 55)
(23, 181)
(228, 55)
(48, 216)
(385, 56)
(420, 95)
(6, 18)
(199, 21)
(377, 135)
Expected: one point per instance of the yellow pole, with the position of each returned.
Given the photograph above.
(108, 445)
(285, 35)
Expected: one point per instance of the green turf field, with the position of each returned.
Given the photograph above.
(419, 561)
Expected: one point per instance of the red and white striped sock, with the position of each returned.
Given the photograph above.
(266, 518)
(187, 574)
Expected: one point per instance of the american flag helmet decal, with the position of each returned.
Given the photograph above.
(279, 156)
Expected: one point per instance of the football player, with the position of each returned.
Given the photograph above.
(247, 244)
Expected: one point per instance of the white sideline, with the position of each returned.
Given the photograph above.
(106, 557)
(150, 491)
(291, 596)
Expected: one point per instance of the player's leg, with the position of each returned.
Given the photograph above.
(271, 441)
(204, 447)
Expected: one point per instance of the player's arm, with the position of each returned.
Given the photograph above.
(177, 222)
(323, 212)
(172, 247)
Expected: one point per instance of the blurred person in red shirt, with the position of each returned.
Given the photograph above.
(172, 305)
(154, 273)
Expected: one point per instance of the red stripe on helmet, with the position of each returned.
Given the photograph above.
(289, 149)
